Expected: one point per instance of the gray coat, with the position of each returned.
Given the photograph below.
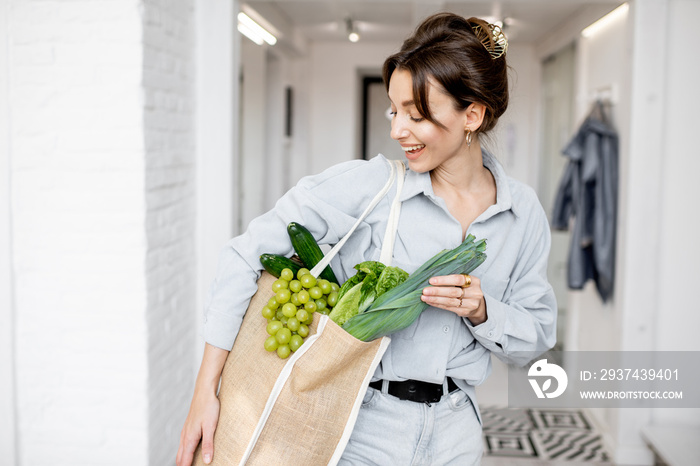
(588, 193)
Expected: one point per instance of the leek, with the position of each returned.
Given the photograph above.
(400, 306)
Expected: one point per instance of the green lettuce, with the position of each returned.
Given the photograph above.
(359, 292)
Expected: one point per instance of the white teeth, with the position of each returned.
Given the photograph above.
(412, 148)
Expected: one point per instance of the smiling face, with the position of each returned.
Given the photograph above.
(426, 145)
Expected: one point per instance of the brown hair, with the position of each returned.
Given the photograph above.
(445, 48)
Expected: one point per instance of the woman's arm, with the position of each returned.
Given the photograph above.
(522, 326)
(204, 409)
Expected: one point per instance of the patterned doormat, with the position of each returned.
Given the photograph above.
(561, 435)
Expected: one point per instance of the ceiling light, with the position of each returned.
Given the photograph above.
(250, 34)
(353, 35)
(254, 31)
(618, 13)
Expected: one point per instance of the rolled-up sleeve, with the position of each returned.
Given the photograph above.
(523, 324)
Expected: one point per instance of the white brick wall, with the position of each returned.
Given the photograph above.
(7, 334)
(168, 81)
(102, 185)
(78, 209)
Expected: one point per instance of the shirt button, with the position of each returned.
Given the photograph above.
(446, 328)
(490, 334)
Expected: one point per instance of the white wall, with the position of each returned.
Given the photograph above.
(7, 309)
(300, 142)
(217, 103)
(514, 140)
(98, 144)
(276, 143)
(679, 225)
(78, 209)
(252, 177)
(677, 318)
(168, 84)
(266, 169)
(334, 98)
(286, 158)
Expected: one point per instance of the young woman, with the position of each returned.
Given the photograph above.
(448, 86)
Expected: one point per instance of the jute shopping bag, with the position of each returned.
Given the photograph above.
(317, 393)
(301, 410)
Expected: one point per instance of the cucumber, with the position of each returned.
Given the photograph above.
(308, 249)
(274, 264)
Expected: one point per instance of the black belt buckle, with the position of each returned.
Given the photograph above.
(415, 390)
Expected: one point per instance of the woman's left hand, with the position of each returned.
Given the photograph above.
(454, 293)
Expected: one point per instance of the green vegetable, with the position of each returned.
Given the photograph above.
(371, 281)
(390, 278)
(363, 269)
(274, 264)
(348, 306)
(308, 249)
(399, 307)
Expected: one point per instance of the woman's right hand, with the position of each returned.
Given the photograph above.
(204, 411)
(200, 425)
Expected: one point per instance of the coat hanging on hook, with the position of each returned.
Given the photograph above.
(601, 111)
(587, 195)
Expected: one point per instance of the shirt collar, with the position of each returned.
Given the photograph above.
(419, 183)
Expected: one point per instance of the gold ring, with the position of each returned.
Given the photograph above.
(460, 302)
(467, 280)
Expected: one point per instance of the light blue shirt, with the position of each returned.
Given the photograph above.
(520, 303)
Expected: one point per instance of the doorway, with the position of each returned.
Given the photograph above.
(376, 121)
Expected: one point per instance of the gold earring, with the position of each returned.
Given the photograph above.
(469, 138)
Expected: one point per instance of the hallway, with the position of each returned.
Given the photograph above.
(137, 138)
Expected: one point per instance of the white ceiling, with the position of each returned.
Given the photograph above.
(324, 20)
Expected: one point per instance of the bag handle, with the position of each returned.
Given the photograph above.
(392, 225)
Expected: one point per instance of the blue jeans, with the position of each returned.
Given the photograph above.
(394, 432)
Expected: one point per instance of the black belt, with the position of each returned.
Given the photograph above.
(415, 390)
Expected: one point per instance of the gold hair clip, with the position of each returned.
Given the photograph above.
(497, 44)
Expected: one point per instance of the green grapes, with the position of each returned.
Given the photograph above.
(294, 285)
(283, 351)
(291, 310)
(295, 342)
(308, 281)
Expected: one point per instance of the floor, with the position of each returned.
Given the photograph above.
(546, 436)
(535, 437)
